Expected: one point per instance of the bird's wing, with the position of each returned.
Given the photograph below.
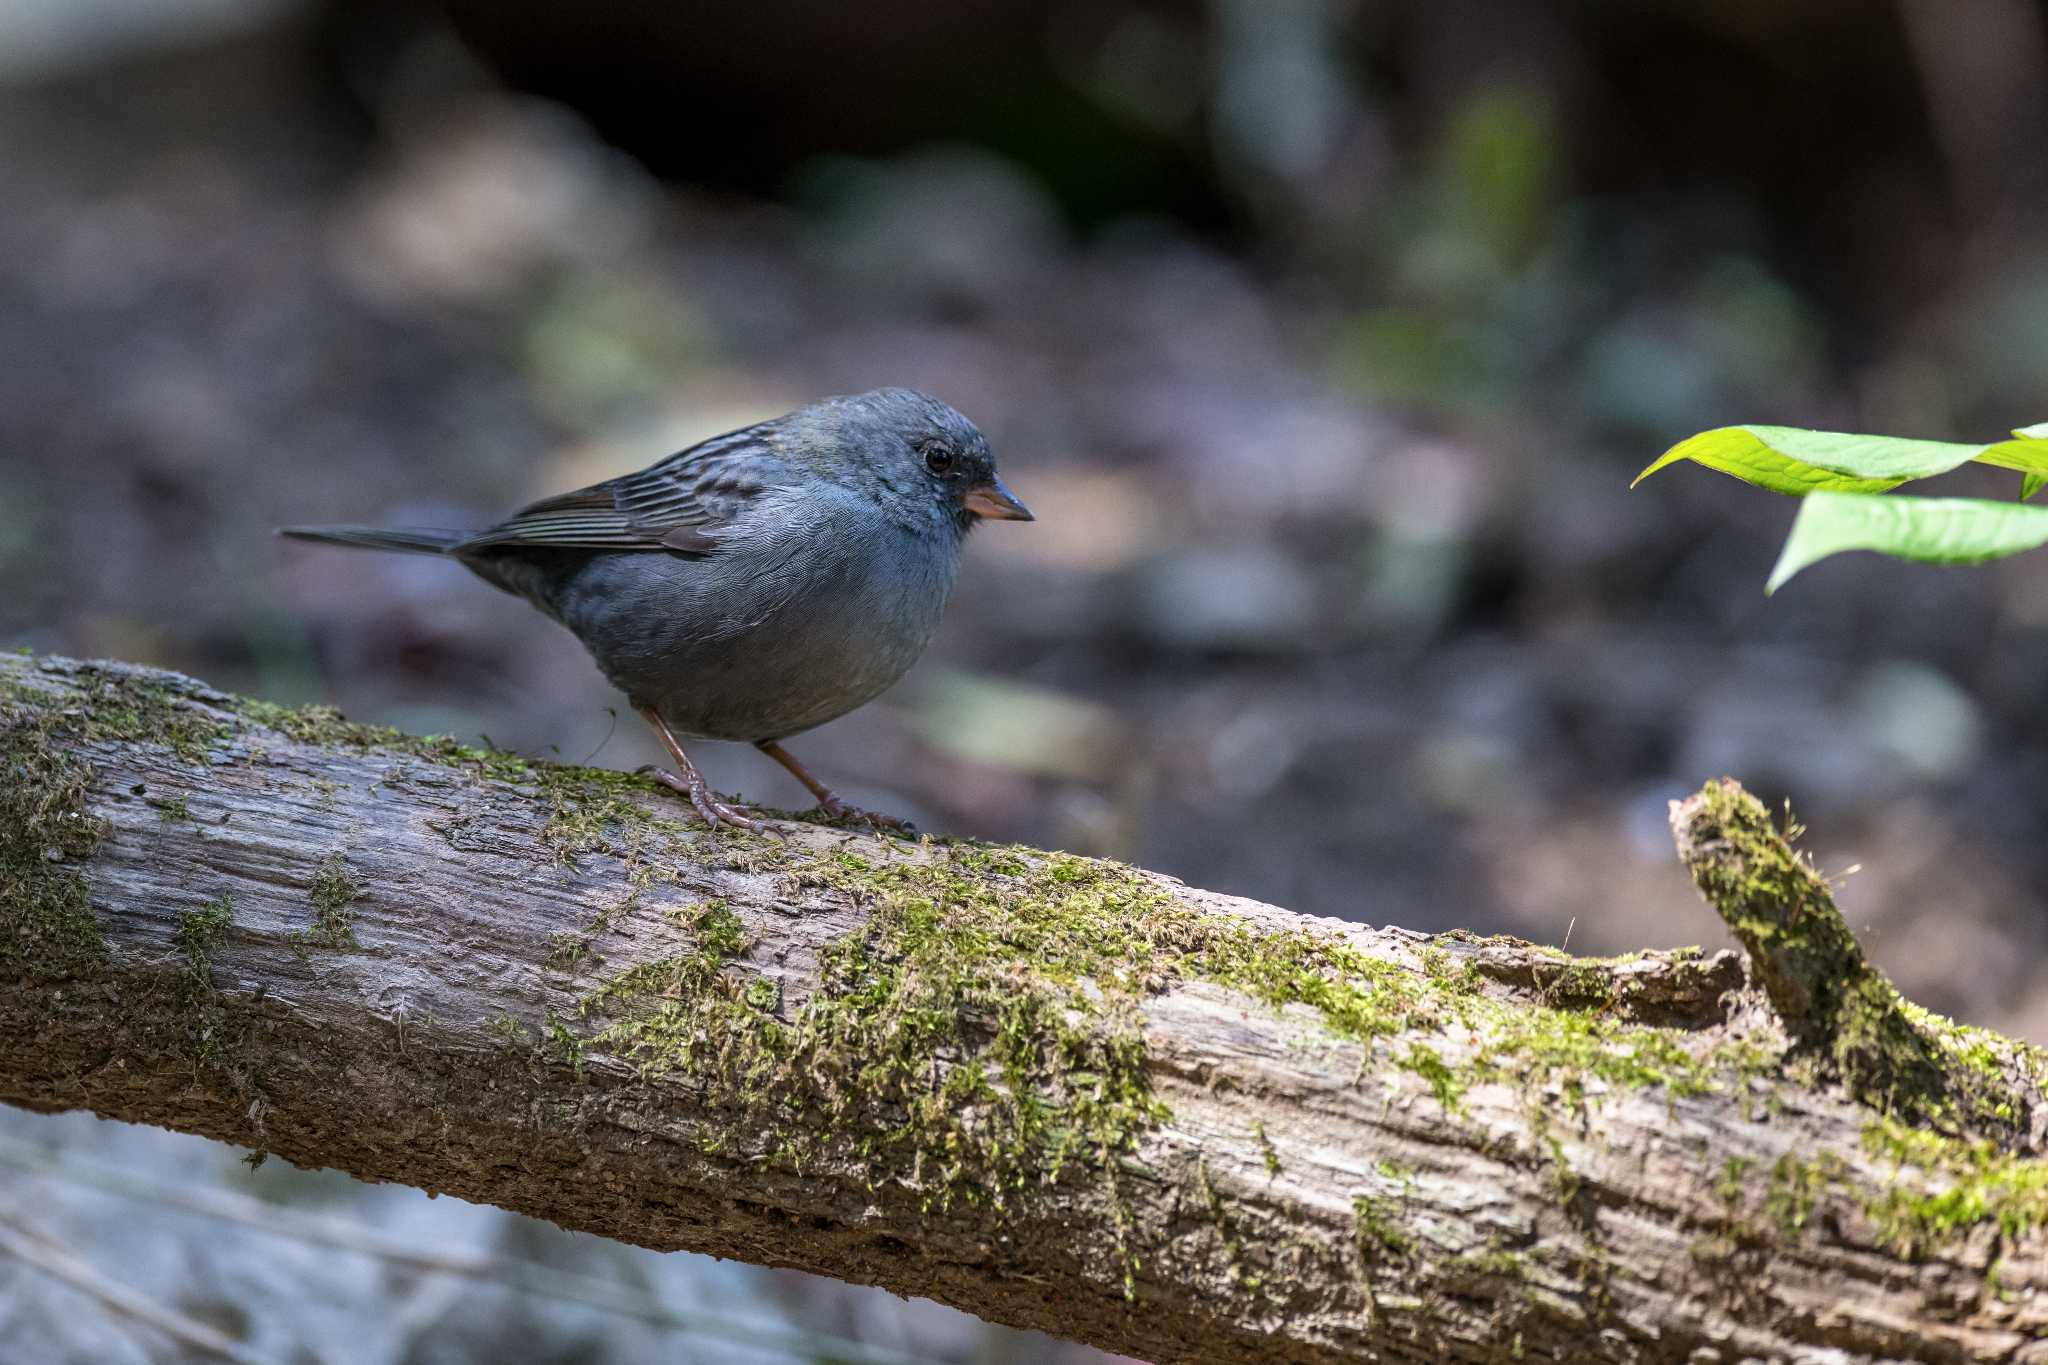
(680, 505)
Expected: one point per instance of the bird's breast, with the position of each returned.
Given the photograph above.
(773, 633)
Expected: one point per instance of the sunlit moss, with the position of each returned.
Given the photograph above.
(1839, 1009)
(1975, 1184)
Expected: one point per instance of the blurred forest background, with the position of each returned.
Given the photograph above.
(1323, 336)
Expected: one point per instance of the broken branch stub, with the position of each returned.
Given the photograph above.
(1840, 1010)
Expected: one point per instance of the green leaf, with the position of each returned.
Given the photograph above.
(1794, 460)
(2028, 453)
(1930, 530)
(2025, 454)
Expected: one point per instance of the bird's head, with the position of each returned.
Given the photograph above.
(918, 456)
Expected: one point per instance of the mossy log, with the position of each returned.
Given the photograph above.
(1060, 1093)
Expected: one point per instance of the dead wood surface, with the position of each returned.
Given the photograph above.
(1059, 1094)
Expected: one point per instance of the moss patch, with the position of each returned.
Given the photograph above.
(1796, 1187)
(1938, 1189)
(1571, 1048)
(200, 932)
(327, 727)
(981, 1041)
(977, 1043)
(589, 809)
(133, 705)
(1978, 1184)
(1841, 1011)
(47, 927)
(204, 1032)
(565, 950)
(1267, 1153)
(333, 891)
(1358, 996)
(1377, 1229)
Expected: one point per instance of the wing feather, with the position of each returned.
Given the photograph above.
(679, 505)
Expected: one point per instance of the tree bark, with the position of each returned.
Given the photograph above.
(1061, 1094)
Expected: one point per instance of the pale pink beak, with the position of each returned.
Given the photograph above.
(994, 502)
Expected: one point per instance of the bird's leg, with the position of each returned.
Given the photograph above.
(691, 783)
(828, 800)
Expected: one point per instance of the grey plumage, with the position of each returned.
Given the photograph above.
(417, 540)
(759, 583)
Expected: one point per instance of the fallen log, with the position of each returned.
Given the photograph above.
(1060, 1093)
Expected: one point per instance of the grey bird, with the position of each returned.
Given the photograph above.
(756, 584)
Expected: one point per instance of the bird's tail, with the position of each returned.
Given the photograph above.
(406, 539)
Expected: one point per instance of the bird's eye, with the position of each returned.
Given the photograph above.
(938, 459)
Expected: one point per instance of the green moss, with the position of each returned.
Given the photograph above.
(1797, 1185)
(1582, 982)
(132, 705)
(1543, 1046)
(1840, 1010)
(333, 891)
(1569, 1046)
(203, 1022)
(508, 1031)
(682, 1012)
(1377, 1233)
(584, 802)
(1358, 996)
(977, 1042)
(1564, 1181)
(981, 1039)
(717, 928)
(1986, 1073)
(1493, 1263)
(172, 809)
(589, 809)
(1976, 1184)
(325, 726)
(200, 932)
(1266, 1150)
(48, 930)
(1444, 1083)
(561, 1043)
(147, 708)
(1570, 1042)
(587, 806)
(1734, 1183)
(566, 950)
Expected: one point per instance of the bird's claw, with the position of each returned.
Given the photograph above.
(710, 809)
(840, 812)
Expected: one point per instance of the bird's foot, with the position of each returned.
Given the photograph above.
(840, 812)
(709, 807)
